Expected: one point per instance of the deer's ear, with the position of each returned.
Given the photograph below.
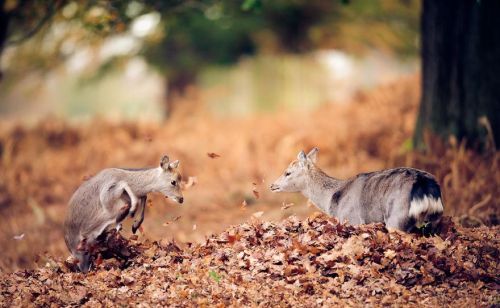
(302, 157)
(174, 164)
(313, 155)
(164, 162)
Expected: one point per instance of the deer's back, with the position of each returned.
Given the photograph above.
(85, 212)
(372, 197)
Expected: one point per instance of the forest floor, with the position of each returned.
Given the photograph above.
(41, 165)
(313, 262)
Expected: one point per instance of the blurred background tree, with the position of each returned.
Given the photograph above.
(460, 50)
(197, 34)
(460, 69)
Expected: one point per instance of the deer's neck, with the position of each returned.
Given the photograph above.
(320, 189)
(143, 181)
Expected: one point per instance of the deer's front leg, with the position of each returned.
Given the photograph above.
(142, 209)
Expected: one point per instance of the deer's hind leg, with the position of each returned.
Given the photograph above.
(397, 215)
(118, 201)
(124, 205)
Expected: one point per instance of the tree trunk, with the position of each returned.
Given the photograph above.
(4, 24)
(460, 70)
(177, 83)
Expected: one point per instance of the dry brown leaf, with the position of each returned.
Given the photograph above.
(256, 193)
(258, 214)
(99, 260)
(390, 254)
(86, 177)
(166, 223)
(19, 237)
(192, 181)
(213, 155)
(285, 206)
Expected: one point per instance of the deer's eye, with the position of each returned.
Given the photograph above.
(287, 173)
(173, 183)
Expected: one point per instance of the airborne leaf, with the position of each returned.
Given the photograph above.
(213, 155)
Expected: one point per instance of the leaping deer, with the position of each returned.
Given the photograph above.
(106, 199)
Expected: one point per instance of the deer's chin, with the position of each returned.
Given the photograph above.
(179, 200)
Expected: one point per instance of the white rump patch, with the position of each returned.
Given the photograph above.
(425, 205)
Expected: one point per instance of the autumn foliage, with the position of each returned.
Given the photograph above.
(312, 262)
(227, 164)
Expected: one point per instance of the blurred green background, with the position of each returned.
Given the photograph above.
(139, 59)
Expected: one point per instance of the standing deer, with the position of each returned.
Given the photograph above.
(106, 199)
(403, 198)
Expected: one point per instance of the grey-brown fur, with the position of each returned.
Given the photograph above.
(402, 198)
(106, 199)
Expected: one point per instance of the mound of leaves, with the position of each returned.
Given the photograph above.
(313, 262)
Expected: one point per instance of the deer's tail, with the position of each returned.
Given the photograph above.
(426, 205)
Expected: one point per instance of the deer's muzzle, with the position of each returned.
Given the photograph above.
(274, 187)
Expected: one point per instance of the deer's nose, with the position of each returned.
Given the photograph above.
(181, 199)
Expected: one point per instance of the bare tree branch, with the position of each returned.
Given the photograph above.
(51, 11)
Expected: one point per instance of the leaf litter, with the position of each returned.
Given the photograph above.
(308, 263)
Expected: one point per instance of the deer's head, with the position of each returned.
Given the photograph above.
(170, 179)
(296, 176)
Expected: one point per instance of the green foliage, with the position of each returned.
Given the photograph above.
(195, 38)
(213, 274)
(250, 5)
(201, 33)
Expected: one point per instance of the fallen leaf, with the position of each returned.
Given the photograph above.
(258, 214)
(285, 206)
(439, 243)
(256, 193)
(213, 274)
(166, 223)
(390, 254)
(99, 260)
(192, 181)
(213, 155)
(19, 237)
(86, 177)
